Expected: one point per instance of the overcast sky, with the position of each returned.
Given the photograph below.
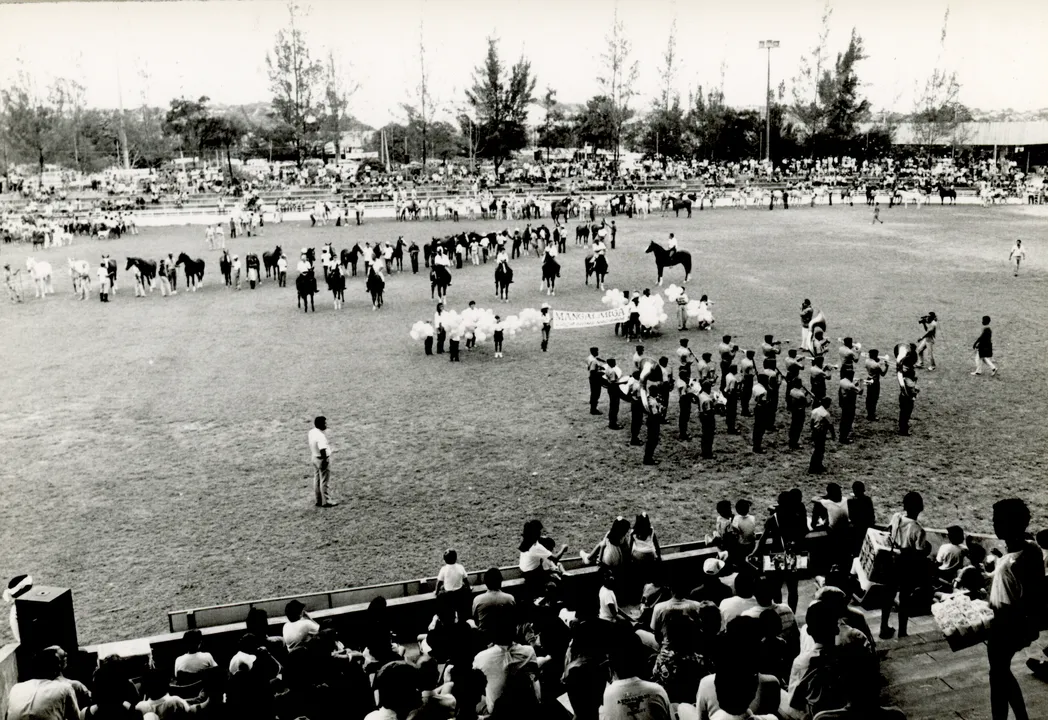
(218, 48)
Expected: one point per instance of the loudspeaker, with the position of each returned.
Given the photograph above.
(45, 618)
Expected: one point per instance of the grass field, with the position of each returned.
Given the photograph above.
(155, 449)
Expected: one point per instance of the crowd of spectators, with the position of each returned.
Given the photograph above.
(644, 645)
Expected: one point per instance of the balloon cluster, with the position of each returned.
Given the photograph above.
(614, 299)
(650, 310)
(421, 330)
(673, 292)
(530, 319)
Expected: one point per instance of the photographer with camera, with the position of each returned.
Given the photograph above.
(926, 343)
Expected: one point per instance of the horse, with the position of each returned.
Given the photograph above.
(503, 279)
(270, 261)
(351, 257)
(560, 208)
(147, 268)
(439, 281)
(682, 204)
(40, 272)
(80, 271)
(306, 287)
(39, 238)
(582, 233)
(413, 209)
(550, 273)
(375, 286)
(336, 283)
(398, 255)
(663, 259)
(597, 265)
(111, 268)
(947, 193)
(194, 270)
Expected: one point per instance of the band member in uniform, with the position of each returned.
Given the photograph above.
(760, 412)
(819, 344)
(595, 366)
(771, 372)
(794, 365)
(849, 355)
(684, 360)
(821, 425)
(614, 382)
(876, 368)
(770, 348)
(926, 344)
(638, 357)
(706, 369)
(727, 357)
(707, 419)
(687, 398)
(848, 392)
(748, 367)
(817, 380)
(547, 325)
(731, 395)
(797, 404)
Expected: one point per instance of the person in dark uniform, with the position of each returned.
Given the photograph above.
(614, 232)
(687, 398)
(760, 412)
(731, 394)
(983, 346)
(821, 426)
(818, 378)
(847, 396)
(665, 386)
(772, 373)
(595, 366)
(876, 368)
(797, 405)
(748, 367)
(794, 365)
(727, 357)
(413, 254)
(614, 382)
(849, 355)
(707, 419)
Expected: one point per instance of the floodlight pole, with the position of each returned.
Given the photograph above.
(768, 45)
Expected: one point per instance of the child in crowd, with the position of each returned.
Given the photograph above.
(453, 585)
(952, 554)
(723, 528)
(744, 527)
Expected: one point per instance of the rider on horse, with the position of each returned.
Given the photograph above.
(671, 247)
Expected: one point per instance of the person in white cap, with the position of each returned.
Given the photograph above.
(18, 586)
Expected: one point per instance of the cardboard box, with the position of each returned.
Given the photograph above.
(877, 557)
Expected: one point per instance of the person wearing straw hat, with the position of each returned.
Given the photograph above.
(16, 588)
(547, 325)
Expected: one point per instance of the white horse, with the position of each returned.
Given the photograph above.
(80, 271)
(41, 274)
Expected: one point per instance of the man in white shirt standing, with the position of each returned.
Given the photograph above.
(1017, 255)
(320, 452)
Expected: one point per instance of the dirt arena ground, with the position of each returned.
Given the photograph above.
(155, 449)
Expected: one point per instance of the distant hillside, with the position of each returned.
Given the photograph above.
(1009, 115)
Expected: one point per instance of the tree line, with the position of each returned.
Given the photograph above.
(825, 113)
